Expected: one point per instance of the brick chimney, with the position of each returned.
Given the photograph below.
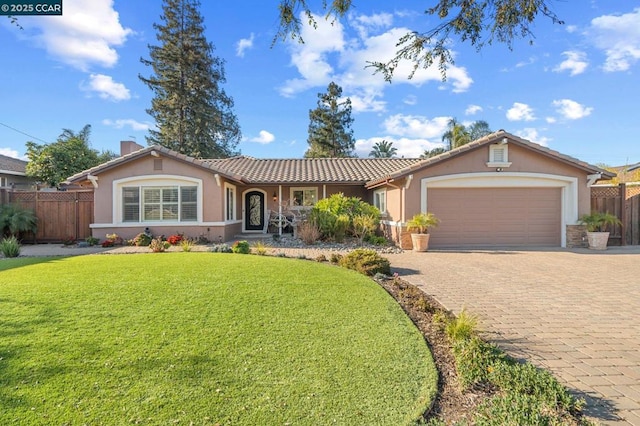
(127, 147)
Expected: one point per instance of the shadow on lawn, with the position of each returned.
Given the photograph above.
(14, 376)
(19, 262)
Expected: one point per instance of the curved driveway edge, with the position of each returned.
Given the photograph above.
(573, 312)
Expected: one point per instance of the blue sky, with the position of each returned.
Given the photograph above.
(576, 89)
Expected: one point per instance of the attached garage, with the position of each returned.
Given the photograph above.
(490, 217)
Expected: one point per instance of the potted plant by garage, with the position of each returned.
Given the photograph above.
(597, 223)
(419, 227)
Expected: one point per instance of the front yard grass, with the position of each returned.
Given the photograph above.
(204, 338)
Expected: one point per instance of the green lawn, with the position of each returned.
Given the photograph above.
(204, 338)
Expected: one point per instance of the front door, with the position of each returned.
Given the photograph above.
(254, 211)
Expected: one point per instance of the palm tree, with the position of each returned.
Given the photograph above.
(383, 149)
(456, 134)
(428, 153)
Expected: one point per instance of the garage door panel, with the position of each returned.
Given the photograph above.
(495, 216)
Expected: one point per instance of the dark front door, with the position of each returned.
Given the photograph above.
(254, 211)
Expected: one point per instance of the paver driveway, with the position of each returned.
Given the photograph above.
(574, 312)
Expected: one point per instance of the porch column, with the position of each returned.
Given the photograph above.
(280, 208)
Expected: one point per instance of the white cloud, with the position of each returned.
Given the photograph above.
(366, 23)
(328, 55)
(106, 88)
(263, 138)
(415, 126)
(575, 62)
(551, 120)
(364, 100)
(11, 153)
(122, 122)
(472, 110)
(571, 110)
(410, 100)
(244, 44)
(311, 57)
(532, 135)
(520, 112)
(571, 29)
(619, 37)
(85, 35)
(407, 147)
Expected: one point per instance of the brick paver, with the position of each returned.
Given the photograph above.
(574, 312)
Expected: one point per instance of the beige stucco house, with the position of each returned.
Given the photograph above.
(500, 190)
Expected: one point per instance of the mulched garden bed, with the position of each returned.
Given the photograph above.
(451, 405)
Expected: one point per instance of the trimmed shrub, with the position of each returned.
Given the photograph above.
(221, 248)
(335, 215)
(141, 240)
(92, 241)
(10, 247)
(241, 247)
(367, 262)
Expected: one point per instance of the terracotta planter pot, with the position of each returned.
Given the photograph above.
(420, 242)
(598, 240)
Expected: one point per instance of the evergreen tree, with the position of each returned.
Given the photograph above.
(330, 133)
(193, 114)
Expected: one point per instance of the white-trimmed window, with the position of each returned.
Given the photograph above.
(160, 203)
(229, 202)
(304, 196)
(380, 200)
(498, 155)
(3, 182)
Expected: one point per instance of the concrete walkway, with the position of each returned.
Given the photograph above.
(573, 312)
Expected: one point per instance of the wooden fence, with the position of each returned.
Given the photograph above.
(624, 202)
(61, 214)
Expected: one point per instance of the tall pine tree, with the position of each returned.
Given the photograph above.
(193, 114)
(330, 133)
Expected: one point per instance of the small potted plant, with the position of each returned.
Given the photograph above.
(419, 227)
(597, 224)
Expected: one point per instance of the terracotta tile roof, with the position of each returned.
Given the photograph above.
(369, 171)
(306, 170)
(12, 166)
(489, 139)
(78, 177)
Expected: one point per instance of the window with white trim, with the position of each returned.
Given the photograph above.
(380, 200)
(304, 196)
(498, 155)
(3, 182)
(230, 202)
(160, 203)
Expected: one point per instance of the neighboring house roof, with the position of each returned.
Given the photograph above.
(12, 166)
(489, 139)
(369, 171)
(306, 170)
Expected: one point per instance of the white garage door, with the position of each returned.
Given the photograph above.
(490, 217)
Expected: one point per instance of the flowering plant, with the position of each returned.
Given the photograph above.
(69, 241)
(174, 239)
